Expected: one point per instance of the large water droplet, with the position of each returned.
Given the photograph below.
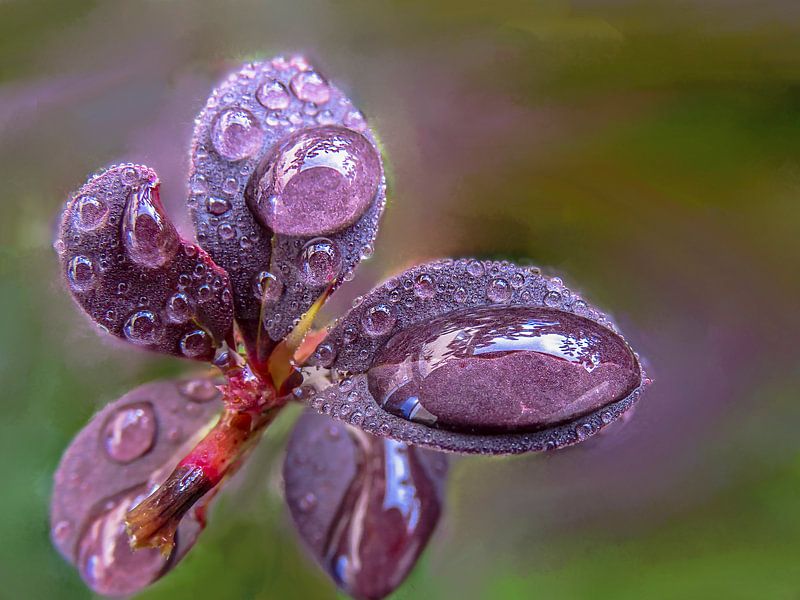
(273, 95)
(496, 369)
(90, 213)
(80, 272)
(149, 237)
(309, 86)
(236, 134)
(130, 432)
(142, 327)
(318, 181)
(320, 262)
(105, 559)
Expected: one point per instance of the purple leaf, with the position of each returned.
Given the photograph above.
(127, 267)
(287, 190)
(365, 507)
(477, 357)
(115, 462)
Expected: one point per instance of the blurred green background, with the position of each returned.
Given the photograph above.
(647, 151)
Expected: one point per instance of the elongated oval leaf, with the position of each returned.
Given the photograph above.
(477, 357)
(365, 507)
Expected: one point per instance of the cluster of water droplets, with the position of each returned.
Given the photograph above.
(127, 266)
(284, 118)
(418, 296)
(435, 289)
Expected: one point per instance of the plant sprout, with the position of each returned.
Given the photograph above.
(286, 191)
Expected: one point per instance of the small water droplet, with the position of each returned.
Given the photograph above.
(142, 327)
(217, 206)
(179, 308)
(475, 268)
(309, 86)
(307, 503)
(355, 120)
(498, 290)
(552, 299)
(424, 286)
(236, 134)
(324, 355)
(378, 320)
(460, 295)
(62, 530)
(199, 390)
(90, 213)
(226, 231)
(267, 288)
(273, 95)
(320, 262)
(80, 272)
(230, 186)
(130, 432)
(197, 344)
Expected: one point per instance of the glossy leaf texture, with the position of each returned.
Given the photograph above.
(286, 191)
(117, 460)
(127, 267)
(365, 507)
(476, 357)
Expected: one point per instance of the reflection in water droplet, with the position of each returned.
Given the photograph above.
(309, 86)
(150, 239)
(273, 95)
(462, 371)
(384, 520)
(197, 344)
(105, 560)
(179, 308)
(320, 262)
(317, 181)
(130, 432)
(424, 286)
(90, 213)
(498, 290)
(378, 320)
(236, 134)
(267, 288)
(475, 268)
(80, 272)
(142, 327)
(226, 231)
(218, 206)
(552, 298)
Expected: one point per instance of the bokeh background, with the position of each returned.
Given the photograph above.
(647, 151)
